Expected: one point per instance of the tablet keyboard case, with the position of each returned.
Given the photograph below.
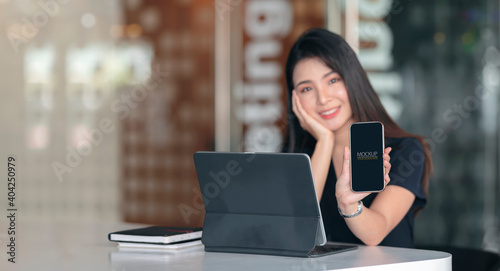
(261, 209)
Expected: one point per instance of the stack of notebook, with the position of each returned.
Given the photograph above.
(158, 237)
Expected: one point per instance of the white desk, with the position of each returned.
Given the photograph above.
(84, 246)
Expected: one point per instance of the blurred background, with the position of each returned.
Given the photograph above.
(104, 102)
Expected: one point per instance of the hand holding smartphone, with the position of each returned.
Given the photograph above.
(367, 162)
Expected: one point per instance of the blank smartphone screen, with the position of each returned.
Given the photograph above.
(367, 163)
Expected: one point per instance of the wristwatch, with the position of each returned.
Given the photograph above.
(359, 211)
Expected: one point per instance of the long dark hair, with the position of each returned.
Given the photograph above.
(334, 51)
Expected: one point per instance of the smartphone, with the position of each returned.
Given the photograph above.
(367, 162)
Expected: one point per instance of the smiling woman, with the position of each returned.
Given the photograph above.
(322, 91)
(328, 90)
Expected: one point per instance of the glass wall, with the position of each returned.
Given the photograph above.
(447, 55)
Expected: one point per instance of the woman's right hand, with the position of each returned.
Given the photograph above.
(308, 123)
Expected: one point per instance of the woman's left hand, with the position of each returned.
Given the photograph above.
(347, 200)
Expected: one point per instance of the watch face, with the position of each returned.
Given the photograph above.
(367, 163)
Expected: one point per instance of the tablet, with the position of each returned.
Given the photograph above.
(262, 203)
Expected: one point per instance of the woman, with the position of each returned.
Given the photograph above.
(328, 90)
